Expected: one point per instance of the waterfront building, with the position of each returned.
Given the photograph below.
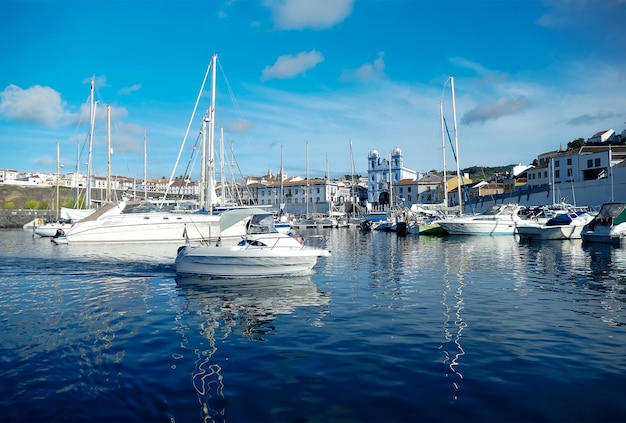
(7, 175)
(301, 195)
(385, 172)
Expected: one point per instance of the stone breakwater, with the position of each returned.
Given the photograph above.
(18, 218)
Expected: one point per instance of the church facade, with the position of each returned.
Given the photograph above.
(384, 174)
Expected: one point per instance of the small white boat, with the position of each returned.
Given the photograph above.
(262, 252)
(499, 220)
(561, 226)
(49, 229)
(609, 225)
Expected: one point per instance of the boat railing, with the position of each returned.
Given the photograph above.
(316, 241)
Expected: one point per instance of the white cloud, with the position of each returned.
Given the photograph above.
(315, 14)
(495, 110)
(36, 104)
(289, 66)
(373, 70)
(132, 88)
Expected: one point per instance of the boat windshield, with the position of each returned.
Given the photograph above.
(141, 208)
(261, 224)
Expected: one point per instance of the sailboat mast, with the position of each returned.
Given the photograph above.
(553, 184)
(353, 192)
(456, 147)
(57, 181)
(76, 177)
(222, 179)
(390, 184)
(306, 196)
(92, 119)
(108, 197)
(211, 158)
(145, 166)
(282, 178)
(203, 167)
(182, 146)
(443, 151)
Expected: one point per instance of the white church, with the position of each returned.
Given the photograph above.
(385, 172)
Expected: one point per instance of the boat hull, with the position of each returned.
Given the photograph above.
(242, 262)
(154, 228)
(50, 229)
(550, 232)
(605, 235)
(476, 227)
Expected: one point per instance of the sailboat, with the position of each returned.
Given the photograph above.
(75, 214)
(140, 222)
(428, 223)
(49, 229)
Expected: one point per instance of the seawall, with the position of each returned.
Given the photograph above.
(18, 218)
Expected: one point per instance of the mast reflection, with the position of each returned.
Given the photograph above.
(245, 306)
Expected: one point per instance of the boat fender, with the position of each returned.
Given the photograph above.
(40, 221)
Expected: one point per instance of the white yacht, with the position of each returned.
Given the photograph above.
(499, 220)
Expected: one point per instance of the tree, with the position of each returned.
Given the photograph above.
(576, 144)
(31, 204)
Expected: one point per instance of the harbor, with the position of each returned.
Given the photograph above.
(387, 328)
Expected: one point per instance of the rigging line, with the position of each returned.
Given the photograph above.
(241, 173)
(193, 114)
(461, 177)
(190, 164)
(234, 101)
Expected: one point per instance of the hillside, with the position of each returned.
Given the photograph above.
(35, 197)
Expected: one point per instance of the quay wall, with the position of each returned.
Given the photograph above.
(18, 218)
(592, 193)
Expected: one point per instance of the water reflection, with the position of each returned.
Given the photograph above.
(245, 307)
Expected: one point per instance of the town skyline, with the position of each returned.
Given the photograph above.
(295, 73)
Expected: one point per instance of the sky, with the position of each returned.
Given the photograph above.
(314, 84)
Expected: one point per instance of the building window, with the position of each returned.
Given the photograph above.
(556, 163)
(557, 173)
(590, 163)
(597, 163)
(569, 161)
(569, 172)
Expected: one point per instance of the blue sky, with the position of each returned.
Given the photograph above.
(530, 76)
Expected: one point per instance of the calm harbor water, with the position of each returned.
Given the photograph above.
(388, 329)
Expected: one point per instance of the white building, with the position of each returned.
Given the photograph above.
(383, 173)
(7, 175)
(573, 166)
(301, 196)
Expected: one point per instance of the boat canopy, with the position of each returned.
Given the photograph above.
(257, 217)
(615, 212)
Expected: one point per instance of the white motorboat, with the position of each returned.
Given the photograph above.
(499, 220)
(562, 226)
(128, 221)
(262, 252)
(609, 225)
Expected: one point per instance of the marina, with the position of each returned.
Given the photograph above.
(386, 329)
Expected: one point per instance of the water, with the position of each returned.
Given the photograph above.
(387, 329)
